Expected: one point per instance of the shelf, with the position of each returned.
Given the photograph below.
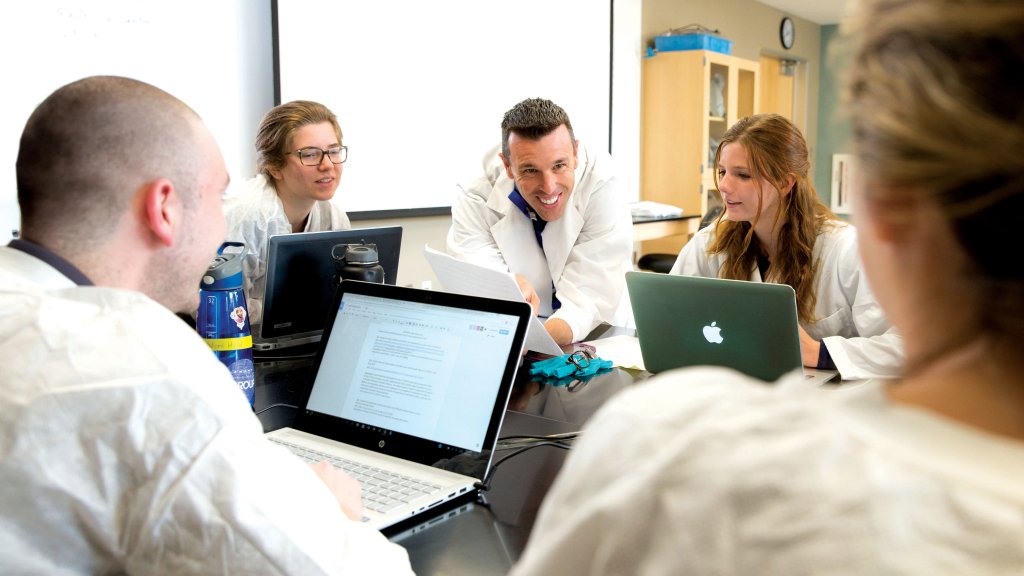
(679, 126)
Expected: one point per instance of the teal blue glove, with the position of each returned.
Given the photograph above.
(579, 364)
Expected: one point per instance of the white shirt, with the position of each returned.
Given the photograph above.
(254, 215)
(706, 471)
(851, 324)
(125, 446)
(586, 252)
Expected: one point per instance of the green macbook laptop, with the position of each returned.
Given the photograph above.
(691, 321)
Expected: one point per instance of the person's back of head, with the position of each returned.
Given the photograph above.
(533, 119)
(937, 104)
(103, 136)
(105, 159)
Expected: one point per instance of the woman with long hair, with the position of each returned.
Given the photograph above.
(775, 229)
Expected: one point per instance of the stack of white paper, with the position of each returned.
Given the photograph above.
(649, 209)
(474, 280)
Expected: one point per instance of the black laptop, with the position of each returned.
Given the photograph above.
(301, 281)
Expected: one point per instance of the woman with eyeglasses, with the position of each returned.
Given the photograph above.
(300, 160)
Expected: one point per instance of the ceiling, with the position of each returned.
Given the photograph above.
(817, 11)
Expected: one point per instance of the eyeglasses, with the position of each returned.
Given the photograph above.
(581, 359)
(313, 156)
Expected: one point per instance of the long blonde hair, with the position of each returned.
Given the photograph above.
(937, 105)
(776, 151)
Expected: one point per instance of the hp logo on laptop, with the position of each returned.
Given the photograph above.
(380, 444)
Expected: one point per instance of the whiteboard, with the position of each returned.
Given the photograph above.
(214, 55)
(420, 88)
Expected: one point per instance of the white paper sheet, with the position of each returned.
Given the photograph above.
(475, 280)
(622, 350)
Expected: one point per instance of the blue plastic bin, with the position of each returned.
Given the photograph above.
(692, 42)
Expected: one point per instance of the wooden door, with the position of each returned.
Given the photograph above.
(778, 86)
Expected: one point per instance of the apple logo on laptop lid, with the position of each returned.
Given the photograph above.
(713, 333)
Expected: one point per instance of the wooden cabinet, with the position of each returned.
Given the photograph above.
(690, 98)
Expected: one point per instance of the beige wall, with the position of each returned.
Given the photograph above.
(413, 269)
(753, 29)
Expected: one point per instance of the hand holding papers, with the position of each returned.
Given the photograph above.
(475, 280)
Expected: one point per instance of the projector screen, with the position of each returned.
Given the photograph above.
(216, 56)
(420, 88)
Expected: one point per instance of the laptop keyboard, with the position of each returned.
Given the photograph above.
(383, 491)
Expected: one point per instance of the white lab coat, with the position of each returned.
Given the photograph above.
(586, 252)
(851, 324)
(126, 447)
(253, 216)
(706, 471)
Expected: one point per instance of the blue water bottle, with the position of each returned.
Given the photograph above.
(223, 319)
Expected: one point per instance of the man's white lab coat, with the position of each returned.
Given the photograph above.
(586, 252)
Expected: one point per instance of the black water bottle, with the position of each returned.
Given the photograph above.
(361, 263)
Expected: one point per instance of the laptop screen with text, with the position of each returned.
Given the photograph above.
(415, 368)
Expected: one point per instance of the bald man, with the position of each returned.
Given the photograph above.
(125, 446)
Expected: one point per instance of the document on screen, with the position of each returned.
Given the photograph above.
(415, 368)
(402, 377)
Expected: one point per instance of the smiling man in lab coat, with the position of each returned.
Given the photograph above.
(548, 210)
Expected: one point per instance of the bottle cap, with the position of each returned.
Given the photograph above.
(225, 270)
(361, 254)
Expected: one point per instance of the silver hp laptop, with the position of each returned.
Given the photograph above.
(751, 327)
(301, 281)
(408, 393)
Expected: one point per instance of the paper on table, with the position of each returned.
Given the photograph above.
(622, 350)
(475, 280)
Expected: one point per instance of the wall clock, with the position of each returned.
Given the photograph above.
(786, 32)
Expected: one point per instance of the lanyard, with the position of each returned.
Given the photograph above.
(538, 229)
